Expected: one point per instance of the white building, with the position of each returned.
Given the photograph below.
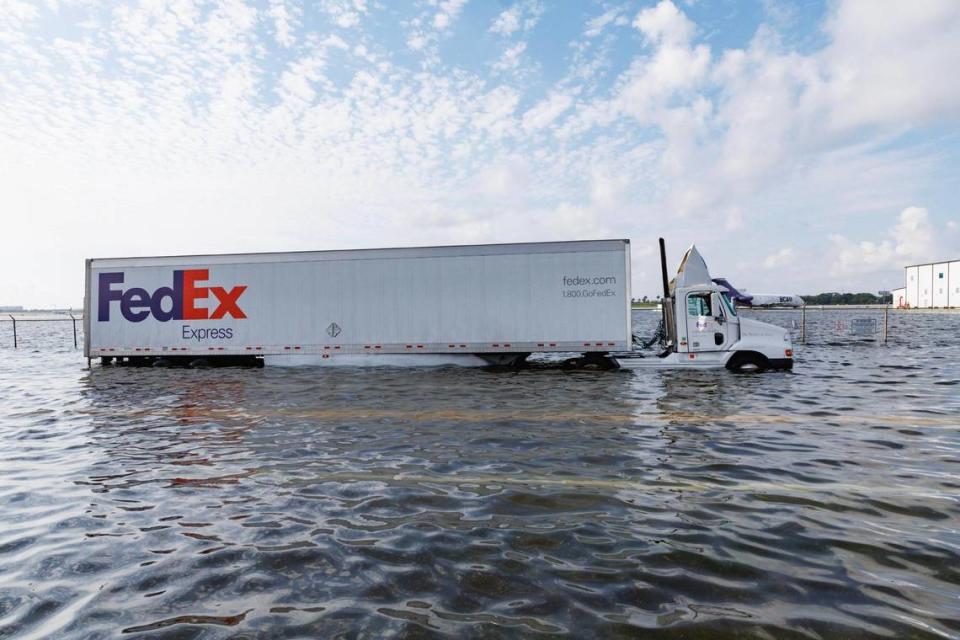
(932, 285)
(899, 297)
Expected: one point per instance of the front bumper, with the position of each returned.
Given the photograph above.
(781, 363)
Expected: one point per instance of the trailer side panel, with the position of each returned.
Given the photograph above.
(567, 296)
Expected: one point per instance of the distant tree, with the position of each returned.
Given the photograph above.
(834, 298)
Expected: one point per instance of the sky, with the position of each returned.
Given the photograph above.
(803, 146)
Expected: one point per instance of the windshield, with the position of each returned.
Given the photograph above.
(728, 303)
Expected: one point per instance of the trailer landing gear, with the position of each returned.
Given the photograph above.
(509, 360)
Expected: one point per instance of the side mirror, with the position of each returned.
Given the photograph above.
(720, 319)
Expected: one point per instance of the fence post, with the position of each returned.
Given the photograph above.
(886, 311)
(74, 331)
(14, 331)
(803, 324)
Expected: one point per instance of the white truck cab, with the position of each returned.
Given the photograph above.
(703, 330)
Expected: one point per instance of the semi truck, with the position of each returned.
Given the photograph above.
(475, 305)
(701, 327)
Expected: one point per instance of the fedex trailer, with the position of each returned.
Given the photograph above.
(471, 305)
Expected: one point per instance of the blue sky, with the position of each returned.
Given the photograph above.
(803, 146)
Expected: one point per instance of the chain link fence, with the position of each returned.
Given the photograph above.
(20, 336)
(829, 324)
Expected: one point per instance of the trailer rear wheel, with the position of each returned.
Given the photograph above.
(746, 361)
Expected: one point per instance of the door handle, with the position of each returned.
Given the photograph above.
(718, 338)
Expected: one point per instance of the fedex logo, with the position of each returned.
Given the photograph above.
(137, 304)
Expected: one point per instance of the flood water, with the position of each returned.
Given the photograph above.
(468, 503)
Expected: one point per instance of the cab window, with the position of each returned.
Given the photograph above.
(728, 303)
(698, 304)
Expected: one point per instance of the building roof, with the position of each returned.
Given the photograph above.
(924, 264)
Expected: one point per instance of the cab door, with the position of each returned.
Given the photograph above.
(708, 325)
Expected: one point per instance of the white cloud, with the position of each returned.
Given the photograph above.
(509, 178)
(891, 66)
(447, 12)
(665, 24)
(911, 239)
(522, 16)
(298, 81)
(507, 22)
(430, 26)
(651, 83)
(546, 111)
(763, 118)
(733, 220)
(417, 41)
(511, 57)
(595, 26)
(345, 13)
(646, 90)
(608, 186)
(172, 115)
(284, 21)
(781, 258)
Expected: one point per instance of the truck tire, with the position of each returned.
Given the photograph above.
(592, 361)
(747, 361)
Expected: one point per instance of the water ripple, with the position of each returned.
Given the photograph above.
(460, 503)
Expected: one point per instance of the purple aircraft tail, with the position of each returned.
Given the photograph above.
(740, 298)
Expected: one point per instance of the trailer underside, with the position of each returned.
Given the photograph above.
(599, 360)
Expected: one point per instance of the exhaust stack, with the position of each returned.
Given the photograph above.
(663, 269)
(669, 325)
